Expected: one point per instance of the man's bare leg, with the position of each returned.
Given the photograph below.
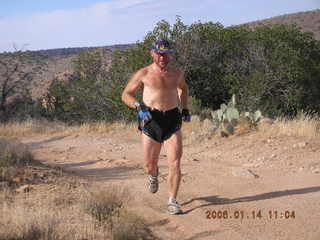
(151, 151)
(173, 147)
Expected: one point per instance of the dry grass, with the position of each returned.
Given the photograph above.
(111, 207)
(63, 215)
(197, 130)
(36, 127)
(107, 203)
(14, 153)
(38, 217)
(13, 156)
(304, 125)
(105, 128)
(196, 125)
(31, 128)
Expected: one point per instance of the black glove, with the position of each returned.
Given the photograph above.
(186, 117)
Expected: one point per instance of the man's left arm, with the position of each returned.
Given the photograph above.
(183, 92)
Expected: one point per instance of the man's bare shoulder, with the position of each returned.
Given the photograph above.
(143, 71)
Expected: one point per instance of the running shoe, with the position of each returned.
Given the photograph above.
(153, 183)
(174, 207)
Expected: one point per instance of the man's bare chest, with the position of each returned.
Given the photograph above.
(161, 81)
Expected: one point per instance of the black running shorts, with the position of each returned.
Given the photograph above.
(162, 125)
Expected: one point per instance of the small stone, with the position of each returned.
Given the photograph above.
(299, 145)
(251, 165)
(302, 144)
(317, 170)
(240, 172)
(260, 159)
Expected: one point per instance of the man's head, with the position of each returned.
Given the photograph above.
(160, 50)
(161, 47)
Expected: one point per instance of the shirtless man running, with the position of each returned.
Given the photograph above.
(160, 119)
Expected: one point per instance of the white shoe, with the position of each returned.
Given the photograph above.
(174, 207)
(153, 184)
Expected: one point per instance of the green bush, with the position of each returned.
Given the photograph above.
(272, 68)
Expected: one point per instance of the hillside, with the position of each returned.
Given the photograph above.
(308, 21)
(67, 52)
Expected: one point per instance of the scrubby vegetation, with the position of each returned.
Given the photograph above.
(272, 68)
(70, 212)
(16, 73)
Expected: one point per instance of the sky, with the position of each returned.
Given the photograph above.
(44, 24)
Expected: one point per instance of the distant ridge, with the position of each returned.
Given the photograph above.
(68, 52)
(308, 21)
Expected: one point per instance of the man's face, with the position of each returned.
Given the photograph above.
(161, 59)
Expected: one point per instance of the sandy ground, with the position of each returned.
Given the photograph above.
(242, 187)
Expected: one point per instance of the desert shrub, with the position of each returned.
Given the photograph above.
(31, 223)
(195, 105)
(130, 226)
(110, 207)
(268, 68)
(89, 94)
(22, 108)
(272, 68)
(303, 125)
(106, 204)
(17, 71)
(13, 153)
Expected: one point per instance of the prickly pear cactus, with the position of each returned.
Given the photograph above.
(227, 117)
(253, 117)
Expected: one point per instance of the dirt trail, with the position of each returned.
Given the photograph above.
(260, 188)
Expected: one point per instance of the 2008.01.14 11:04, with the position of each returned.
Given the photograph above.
(254, 214)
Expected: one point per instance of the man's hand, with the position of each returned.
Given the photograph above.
(186, 117)
(143, 113)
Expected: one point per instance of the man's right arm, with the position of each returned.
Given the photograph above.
(129, 93)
